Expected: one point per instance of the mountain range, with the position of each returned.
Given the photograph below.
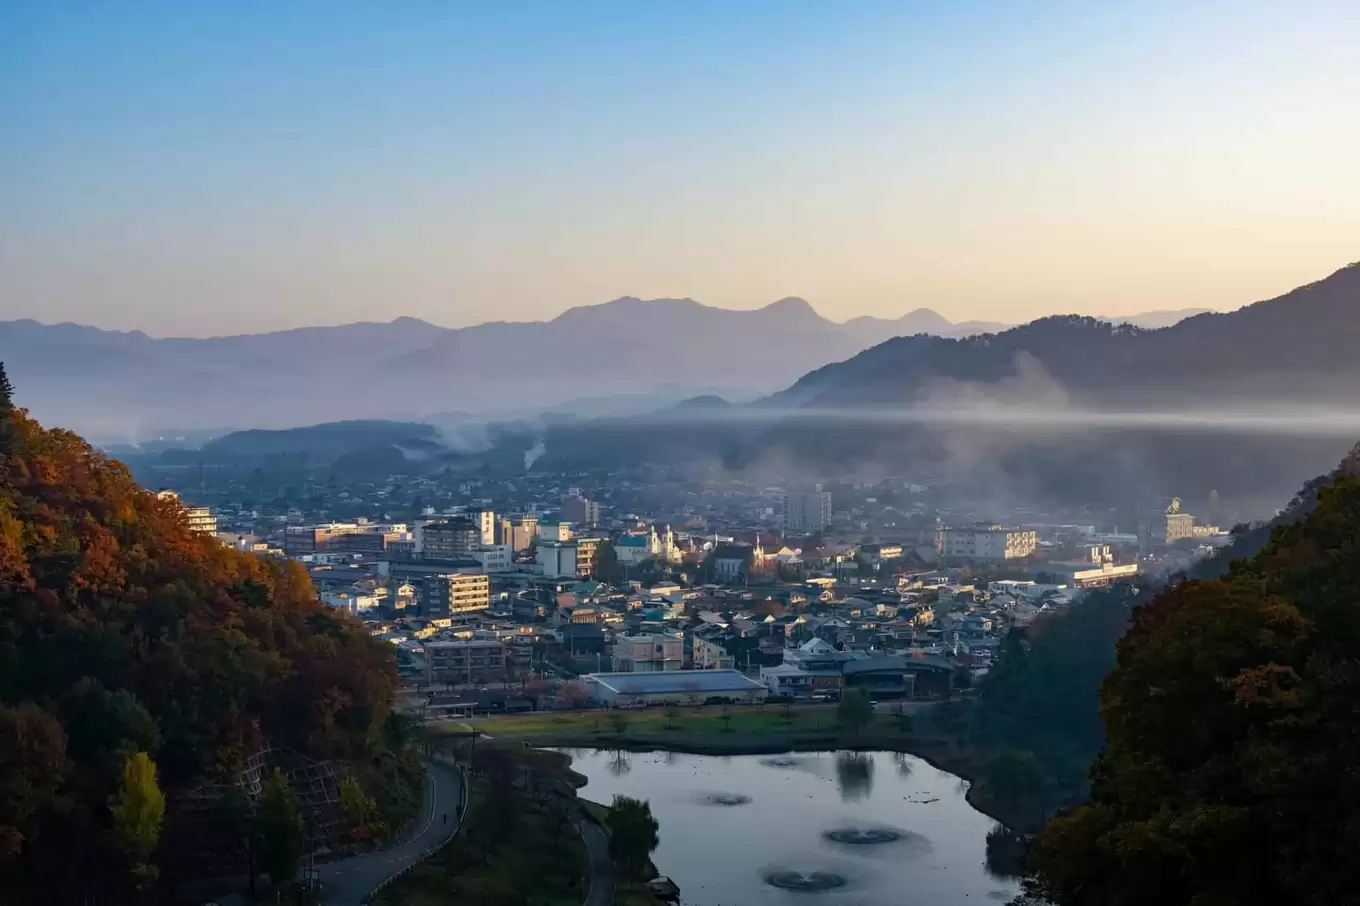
(128, 386)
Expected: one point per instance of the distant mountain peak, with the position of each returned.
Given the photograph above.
(792, 308)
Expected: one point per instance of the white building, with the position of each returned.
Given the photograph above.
(554, 531)
(198, 518)
(486, 524)
(495, 558)
(988, 543)
(807, 512)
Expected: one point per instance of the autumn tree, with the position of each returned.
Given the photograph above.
(633, 834)
(137, 811)
(281, 829)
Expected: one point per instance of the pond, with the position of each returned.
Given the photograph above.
(861, 828)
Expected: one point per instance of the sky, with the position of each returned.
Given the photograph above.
(200, 169)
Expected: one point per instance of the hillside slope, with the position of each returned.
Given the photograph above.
(122, 630)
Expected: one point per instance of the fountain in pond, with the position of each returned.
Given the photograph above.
(804, 881)
(723, 799)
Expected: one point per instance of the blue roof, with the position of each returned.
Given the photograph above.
(631, 541)
(712, 682)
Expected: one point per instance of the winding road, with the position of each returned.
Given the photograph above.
(348, 882)
(601, 866)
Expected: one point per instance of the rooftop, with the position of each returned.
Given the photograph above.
(713, 682)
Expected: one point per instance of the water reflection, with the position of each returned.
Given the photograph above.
(855, 775)
(619, 763)
(893, 830)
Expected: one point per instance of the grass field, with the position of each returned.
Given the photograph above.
(709, 727)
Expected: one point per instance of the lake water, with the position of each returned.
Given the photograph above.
(866, 829)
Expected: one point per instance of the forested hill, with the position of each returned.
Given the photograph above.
(1299, 347)
(1228, 775)
(122, 632)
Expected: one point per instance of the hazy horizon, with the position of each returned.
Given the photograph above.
(199, 170)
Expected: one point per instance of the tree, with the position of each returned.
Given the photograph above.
(619, 721)
(726, 717)
(137, 811)
(633, 835)
(855, 710)
(1232, 736)
(607, 568)
(672, 711)
(1011, 775)
(903, 718)
(356, 806)
(281, 829)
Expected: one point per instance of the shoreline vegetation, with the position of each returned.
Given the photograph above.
(765, 730)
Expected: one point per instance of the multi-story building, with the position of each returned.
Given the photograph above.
(486, 525)
(580, 510)
(198, 518)
(554, 530)
(518, 533)
(451, 539)
(573, 559)
(987, 542)
(455, 593)
(342, 537)
(807, 512)
(654, 653)
(1170, 526)
(471, 660)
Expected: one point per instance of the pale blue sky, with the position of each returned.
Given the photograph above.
(194, 168)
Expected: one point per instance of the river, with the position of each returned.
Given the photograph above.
(863, 829)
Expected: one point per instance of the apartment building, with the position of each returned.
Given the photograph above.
(987, 542)
(198, 518)
(451, 539)
(470, 660)
(807, 512)
(455, 593)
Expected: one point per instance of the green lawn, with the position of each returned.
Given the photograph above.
(709, 725)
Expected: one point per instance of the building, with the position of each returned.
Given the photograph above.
(676, 686)
(452, 539)
(632, 548)
(987, 542)
(455, 593)
(709, 655)
(567, 559)
(554, 530)
(495, 558)
(485, 521)
(470, 660)
(518, 533)
(360, 537)
(198, 518)
(807, 512)
(654, 653)
(733, 562)
(1172, 525)
(580, 510)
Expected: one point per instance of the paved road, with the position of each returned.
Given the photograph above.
(601, 866)
(348, 881)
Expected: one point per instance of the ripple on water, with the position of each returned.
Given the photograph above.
(726, 800)
(875, 835)
(804, 881)
(781, 761)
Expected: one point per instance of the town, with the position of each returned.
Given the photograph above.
(529, 593)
